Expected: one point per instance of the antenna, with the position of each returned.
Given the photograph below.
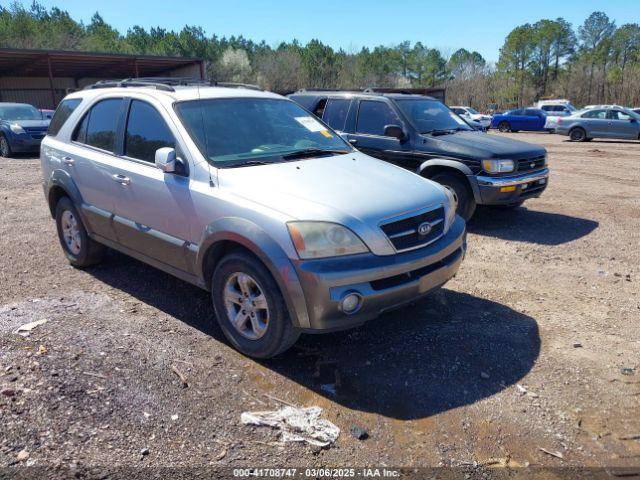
(206, 141)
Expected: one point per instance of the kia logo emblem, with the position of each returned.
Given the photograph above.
(532, 164)
(424, 228)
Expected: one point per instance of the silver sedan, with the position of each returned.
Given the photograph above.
(615, 122)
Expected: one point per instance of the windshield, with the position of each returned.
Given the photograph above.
(19, 112)
(472, 111)
(429, 116)
(237, 131)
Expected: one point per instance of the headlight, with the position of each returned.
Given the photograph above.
(450, 209)
(498, 166)
(324, 239)
(15, 128)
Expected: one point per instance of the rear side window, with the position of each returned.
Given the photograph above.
(146, 132)
(335, 113)
(98, 127)
(374, 116)
(63, 112)
(602, 114)
(532, 113)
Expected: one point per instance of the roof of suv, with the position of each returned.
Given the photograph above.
(178, 92)
(357, 93)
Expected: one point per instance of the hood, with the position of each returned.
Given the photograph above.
(480, 146)
(353, 189)
(29, 123)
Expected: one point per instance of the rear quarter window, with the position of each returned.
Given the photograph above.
(63, 112)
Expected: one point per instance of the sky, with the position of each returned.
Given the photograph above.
(480, 25)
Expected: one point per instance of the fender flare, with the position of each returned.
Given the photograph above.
(269, 252)
(456, 165)
(60, 178)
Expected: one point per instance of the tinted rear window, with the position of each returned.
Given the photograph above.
(335, 113)
(63, 112)
(99, 126)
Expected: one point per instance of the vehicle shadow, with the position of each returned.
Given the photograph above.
(448, 350)
(530, 226)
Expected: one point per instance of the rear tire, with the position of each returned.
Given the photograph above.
(5, 148)
(461, 190)
(504, 127)
(81, 251)
(578, 134)
(263, 328)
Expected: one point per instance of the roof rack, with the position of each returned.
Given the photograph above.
(167, 83)
(248, 86)
(378, 90)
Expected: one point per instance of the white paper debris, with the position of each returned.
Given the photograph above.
(25, 330)
(296, 424)
(310, 124)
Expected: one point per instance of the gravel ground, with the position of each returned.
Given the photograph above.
(528, 358)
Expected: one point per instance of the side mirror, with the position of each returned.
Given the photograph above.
(394, 131)
(166, 159)
(633, 120)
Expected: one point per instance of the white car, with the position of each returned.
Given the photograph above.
(469, 113)
(559, 107)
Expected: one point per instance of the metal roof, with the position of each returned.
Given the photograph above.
(36, 63)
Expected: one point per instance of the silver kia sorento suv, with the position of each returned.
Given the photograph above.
(245, 194)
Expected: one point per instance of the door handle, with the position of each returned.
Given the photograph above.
(353, 141)
(68, 161)
(121, 179)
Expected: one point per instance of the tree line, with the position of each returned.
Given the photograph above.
(599, 62)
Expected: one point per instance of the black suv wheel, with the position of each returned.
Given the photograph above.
(250, 308)
(81, 250)
(460, 190)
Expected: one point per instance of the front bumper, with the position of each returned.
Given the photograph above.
(24, 143)
(500, 191)
(383, 282)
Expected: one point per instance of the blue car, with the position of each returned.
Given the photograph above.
(528, 119)
(22, 128)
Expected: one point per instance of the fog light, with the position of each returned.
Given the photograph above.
(508, 189)
(351, 303)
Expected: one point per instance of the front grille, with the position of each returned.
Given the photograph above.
(531, 164)
(404, 234)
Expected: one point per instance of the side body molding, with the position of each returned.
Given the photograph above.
(256, 240)
(461, 167)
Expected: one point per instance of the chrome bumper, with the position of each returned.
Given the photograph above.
(515, 180)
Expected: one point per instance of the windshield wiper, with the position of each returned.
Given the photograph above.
(436, 131)
(312, 152)
(249, 163)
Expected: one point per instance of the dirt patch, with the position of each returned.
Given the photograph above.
(532, 348)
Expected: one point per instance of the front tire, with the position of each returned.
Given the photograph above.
(250, 308)
(461, 190)
(5, 148)
(504, 127)
(578, 134)
(80, 250)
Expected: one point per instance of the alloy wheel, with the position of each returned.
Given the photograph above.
(246, 305)
(71, 232)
